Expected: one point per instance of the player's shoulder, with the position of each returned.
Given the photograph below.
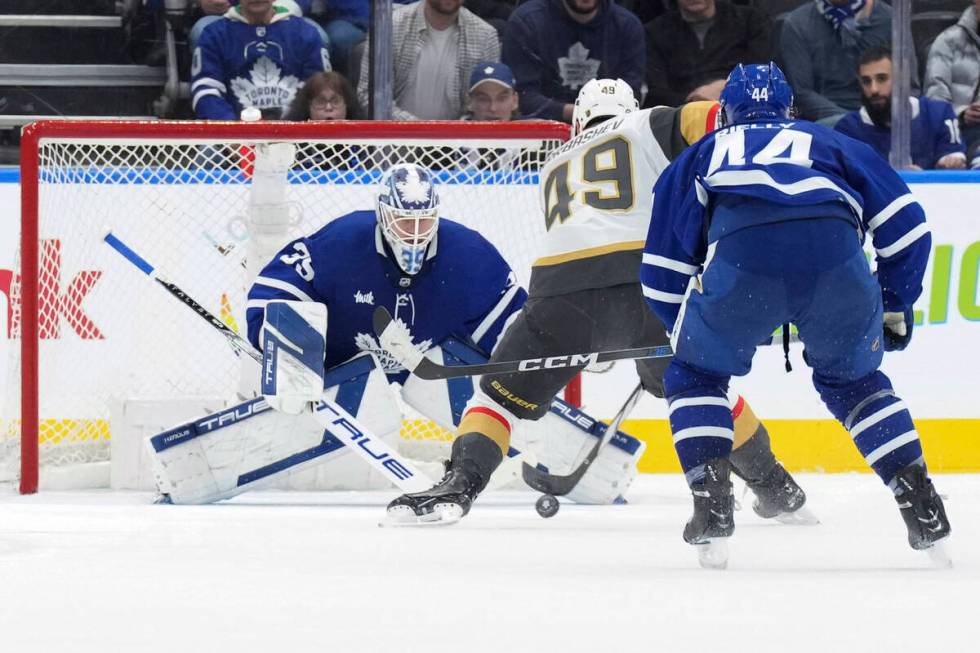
(467, 251)
(459, 235)
(676, 128)
(346, 231)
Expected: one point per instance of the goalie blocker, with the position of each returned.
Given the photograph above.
(250, 445)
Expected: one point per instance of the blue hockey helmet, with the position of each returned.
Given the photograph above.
(756, 91)
(408, 213)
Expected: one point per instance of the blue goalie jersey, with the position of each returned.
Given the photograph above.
(765, 172)
(465, 289)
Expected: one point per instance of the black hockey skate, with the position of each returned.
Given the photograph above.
(474, 458)
(713, 519)
(778, 496)
(922, 509)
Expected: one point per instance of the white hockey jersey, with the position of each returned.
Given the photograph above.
(597, 193)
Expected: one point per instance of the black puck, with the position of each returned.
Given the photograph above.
(547, 506)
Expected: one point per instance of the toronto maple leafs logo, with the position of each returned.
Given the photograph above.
(267, 88)
(363, 298)
(367, 342)
(576, 69)
(413, 189)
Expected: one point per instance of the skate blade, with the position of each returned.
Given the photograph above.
(939, 555)
(800, 517)
(441, 515)
(713, 554)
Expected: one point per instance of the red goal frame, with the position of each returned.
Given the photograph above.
(33, 135)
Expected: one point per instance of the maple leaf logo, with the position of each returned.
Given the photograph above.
(367, 342)
(267, 88)
(576, 69)
(413, 190)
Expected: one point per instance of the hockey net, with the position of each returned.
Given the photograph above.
(208, 203)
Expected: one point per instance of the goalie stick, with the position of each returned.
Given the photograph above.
(332, 417)
(556, 485)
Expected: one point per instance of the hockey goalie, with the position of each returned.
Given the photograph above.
(310, 311)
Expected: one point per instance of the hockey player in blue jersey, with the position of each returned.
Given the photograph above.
(759, 224)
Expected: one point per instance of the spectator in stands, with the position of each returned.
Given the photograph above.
(953, 74)
(495, 12)
(691, 49)
(492, 95)
(820, 44)
(555, 46)
(347, 23)
(935, 139)
(213, 10)
(325, 96)
(255, 56)
(436, 43)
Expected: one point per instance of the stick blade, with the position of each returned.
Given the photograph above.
(380, 320)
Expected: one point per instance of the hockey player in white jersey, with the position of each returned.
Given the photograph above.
(310, 313)
(585, 295)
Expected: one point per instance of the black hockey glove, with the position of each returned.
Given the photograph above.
(898, 330)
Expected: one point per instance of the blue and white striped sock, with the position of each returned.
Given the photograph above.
(883, 432)
(701, 421)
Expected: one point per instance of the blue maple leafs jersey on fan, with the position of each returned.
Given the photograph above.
(238, 65)
(764, 172)
(465, 288)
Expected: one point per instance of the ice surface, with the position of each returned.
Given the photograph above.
(101, 571)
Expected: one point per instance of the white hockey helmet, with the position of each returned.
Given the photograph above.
(408, 213)
(601, 98)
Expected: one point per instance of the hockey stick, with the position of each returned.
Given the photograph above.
(396, 340)
(341, 424)
(560, 485)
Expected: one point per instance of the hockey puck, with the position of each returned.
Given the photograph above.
(547, 506)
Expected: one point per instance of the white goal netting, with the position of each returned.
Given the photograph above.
(209, 211)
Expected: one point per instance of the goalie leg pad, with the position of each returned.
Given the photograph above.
(250, 445)
(563, 437)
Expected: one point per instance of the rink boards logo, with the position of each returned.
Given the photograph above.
(58, 303)
(363, 440)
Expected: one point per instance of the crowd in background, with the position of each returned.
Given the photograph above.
(511, 59)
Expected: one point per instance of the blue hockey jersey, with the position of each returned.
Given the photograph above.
(238, 65)
(465, 289)
(764, 172)
(935, 131)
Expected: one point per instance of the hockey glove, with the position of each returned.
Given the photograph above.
(898, 330)
(293, 351)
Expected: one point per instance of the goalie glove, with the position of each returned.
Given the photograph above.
(293, 352)
(898, 329)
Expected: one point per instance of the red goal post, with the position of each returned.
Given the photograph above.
(181, 189)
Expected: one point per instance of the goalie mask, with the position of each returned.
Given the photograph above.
(600, 99)
(408, 213)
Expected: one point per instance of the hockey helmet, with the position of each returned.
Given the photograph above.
(408, 213)
(601, 98)
(756, 91)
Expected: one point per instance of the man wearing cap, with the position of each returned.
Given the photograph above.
(492, 95)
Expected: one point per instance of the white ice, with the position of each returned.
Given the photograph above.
(102, 571)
